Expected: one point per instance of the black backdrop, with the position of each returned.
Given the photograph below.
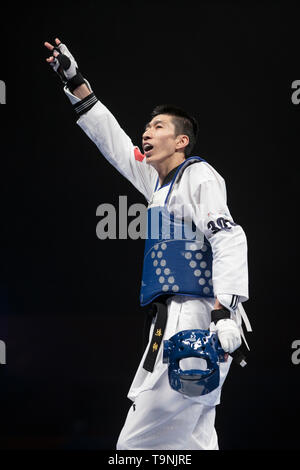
(69, 302)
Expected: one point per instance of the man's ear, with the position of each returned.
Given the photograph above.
(182, 141)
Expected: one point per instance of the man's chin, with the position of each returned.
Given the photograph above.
(150, 158)
(153, 159)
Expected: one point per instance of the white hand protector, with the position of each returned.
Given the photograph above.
(64, 59)
(64, 64)
(228, 333)
(66, 67)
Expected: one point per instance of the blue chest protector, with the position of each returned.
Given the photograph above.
(177, 257)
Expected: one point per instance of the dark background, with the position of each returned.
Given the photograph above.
(69, 302)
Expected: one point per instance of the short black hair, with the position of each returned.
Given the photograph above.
(184, 123)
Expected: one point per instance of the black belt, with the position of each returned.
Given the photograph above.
(159, 309)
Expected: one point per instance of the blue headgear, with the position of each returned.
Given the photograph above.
(193, 343)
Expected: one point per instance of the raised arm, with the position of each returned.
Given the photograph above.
(99, 123)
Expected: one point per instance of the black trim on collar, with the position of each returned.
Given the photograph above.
(169, 176)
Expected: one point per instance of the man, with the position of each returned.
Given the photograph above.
(195, 282)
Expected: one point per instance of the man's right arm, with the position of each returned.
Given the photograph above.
(115, 145)
(102, 127)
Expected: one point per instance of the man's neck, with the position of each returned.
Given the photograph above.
(165, 167)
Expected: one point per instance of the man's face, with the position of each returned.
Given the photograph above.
(159, 140)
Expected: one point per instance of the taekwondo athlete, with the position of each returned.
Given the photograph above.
(201, 284)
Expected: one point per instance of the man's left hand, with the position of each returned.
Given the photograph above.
(229, 334)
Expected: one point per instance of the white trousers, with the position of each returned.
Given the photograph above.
(161, 418)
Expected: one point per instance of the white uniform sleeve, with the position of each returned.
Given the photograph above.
(228, 240)
(115, 145)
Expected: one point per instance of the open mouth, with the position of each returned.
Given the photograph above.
(147, 148)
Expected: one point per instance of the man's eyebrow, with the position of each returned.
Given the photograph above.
(154, 123)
